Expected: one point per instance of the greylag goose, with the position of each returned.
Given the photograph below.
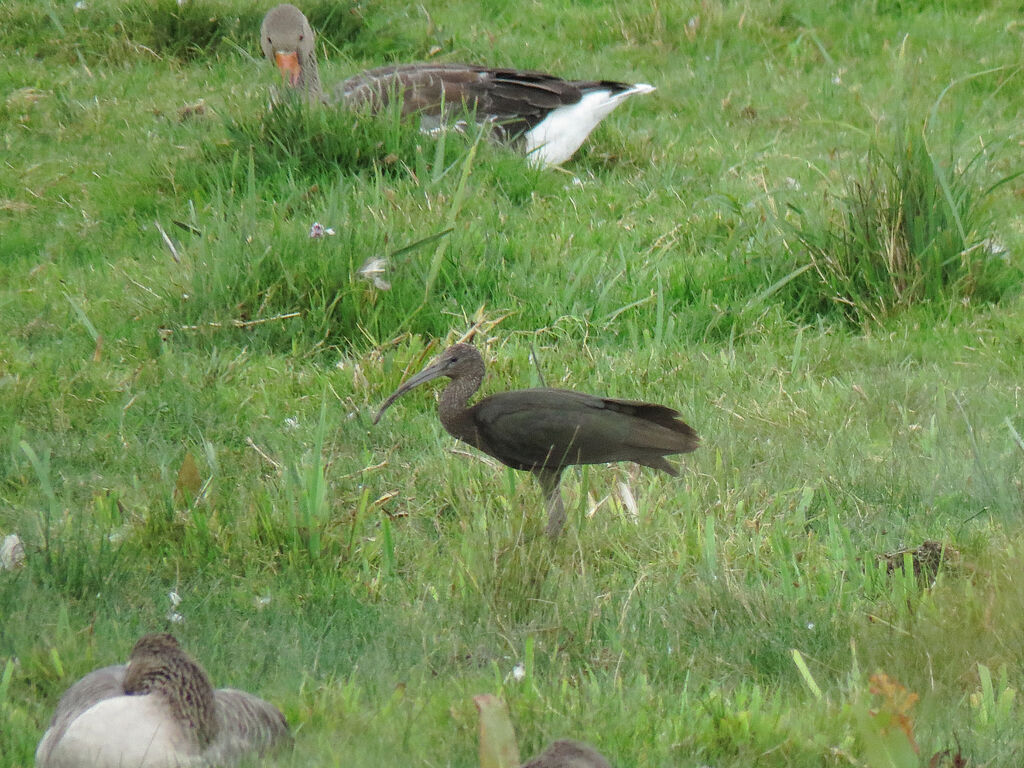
(548, 117)
(158, 710)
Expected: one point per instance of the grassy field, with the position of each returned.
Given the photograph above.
(809, 240)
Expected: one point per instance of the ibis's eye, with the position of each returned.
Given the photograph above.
(301, 38)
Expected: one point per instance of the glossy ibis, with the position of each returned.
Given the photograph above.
(545, 430)
(157, 711)
(547, 116)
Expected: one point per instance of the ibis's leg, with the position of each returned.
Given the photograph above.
(549, 479)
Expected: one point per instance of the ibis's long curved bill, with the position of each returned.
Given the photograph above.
(429, 373)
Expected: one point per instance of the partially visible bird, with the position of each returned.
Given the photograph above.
(567, 753)
(498, 748)
(157, 711)
(545, 430)
(548, 116)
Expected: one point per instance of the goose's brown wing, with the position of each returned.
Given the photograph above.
(516, 100)
(246, 724)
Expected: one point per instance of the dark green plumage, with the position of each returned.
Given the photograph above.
(533, 428)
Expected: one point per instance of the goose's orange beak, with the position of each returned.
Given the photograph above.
(288, 63)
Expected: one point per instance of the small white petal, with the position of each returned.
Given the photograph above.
(373, 266)
(175, 598)
(12, 553)
(372, 270)
(519, 672)
(319, 230)
(993, 246)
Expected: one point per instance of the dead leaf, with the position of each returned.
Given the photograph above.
(187, 486)
(897, 702)
(190, 111)
(16, 206)
(956, 759)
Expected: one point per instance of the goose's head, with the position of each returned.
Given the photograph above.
(288, 41)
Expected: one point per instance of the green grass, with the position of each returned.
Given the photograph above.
(724, 246)
(912, 230)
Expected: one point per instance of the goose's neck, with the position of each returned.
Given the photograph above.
(194, 706)
(309, 75)
(185, 688)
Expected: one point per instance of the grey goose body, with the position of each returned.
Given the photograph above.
(548, 117)
(159, 710)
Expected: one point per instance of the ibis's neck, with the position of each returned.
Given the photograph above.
(454, 411)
